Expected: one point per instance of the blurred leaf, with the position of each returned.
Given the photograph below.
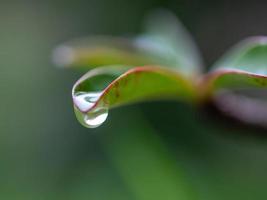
(138, 84)
(245, 66)
(166, 37)
(145, 162)
(231, 79)
(165, 42)
(98, 51)
(242, 72)
(249, 55)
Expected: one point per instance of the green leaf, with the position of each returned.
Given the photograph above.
(231, 79)
(249, 55)
(239, 82)
(165, 42)
(97, 51)
(167, 37)
(244, 67)
(102, 89)
(159, 175)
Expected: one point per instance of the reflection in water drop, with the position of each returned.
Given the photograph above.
(96, 118)
(84, 102)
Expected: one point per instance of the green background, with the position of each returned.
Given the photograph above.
(159, 150)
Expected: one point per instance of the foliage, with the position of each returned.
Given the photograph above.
(164, 63)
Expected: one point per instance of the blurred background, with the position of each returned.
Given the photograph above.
(151, 151)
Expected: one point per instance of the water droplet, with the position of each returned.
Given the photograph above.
(84, 102)
(96, 118)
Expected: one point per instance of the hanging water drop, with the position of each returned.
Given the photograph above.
(83, 103)
(96, 118)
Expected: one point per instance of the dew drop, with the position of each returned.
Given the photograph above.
(96, 118)
(84, 102)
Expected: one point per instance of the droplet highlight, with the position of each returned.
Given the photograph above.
(96, 118)
(83, 103)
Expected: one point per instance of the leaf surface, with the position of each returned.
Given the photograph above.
(98, 51)
(238, 84)
(166, 36)
(244, 67)
(102, 89)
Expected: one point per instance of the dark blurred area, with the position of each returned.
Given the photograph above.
(159, 150)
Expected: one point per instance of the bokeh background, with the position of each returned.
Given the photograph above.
(152, 151)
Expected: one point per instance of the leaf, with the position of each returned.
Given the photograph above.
(97, 51)
(230, 79)
(245, 66)
(244, 108)
(135, 85)
(166, 36)
(135, 142)
(165, 42)
(242, 73)
(249, 55)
